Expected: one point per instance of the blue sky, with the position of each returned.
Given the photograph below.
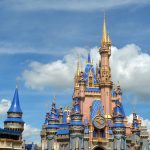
(48, 31)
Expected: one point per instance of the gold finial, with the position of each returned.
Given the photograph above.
(78, 66)
(104, 32)
(17, 83)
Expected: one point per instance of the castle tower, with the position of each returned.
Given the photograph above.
(60, 114)
(52, 126)
(86, 134)
(14, 115)
(76, 127)
(135, 125)
(43, 132)
(118, 127)
(105, 72)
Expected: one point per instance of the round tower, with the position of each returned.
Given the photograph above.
(118, 127)
(135, 125)
(14, 115)
(53, 124)
(76, 126)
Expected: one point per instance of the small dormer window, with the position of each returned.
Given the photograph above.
(90, 81)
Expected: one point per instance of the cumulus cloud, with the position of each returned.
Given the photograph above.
(57, 74)
(31, 134)
(4, 106)
(145, 122)
(129, 65)
(75, 5)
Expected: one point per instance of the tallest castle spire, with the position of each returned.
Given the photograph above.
(105, 72)
(104, 32)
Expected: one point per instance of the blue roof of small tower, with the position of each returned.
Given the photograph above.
(135, 121)
(76, 112)
(30, 146)
(46, 118)
(54, 112)
(118, 110)
(118, 115)
(89, 66)
(64, 119)
(76, 108)
(15, 105)
(89, 58)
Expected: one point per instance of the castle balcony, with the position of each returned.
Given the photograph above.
(89, 93)
(10, 144)
(100, 140)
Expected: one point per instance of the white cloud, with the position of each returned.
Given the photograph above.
(145, 122)
(31, 134)
(4, 106)
(129, 65)
(58, 74)
(75, 5)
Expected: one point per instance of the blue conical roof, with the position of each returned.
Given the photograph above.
(135, 121)
(89, 58)
(15, 105)
(76, 105)
(118, 110)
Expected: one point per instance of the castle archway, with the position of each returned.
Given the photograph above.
(98, 148)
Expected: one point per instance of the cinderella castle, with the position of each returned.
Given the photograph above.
(96, 120)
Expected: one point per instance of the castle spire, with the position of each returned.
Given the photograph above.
(14, 115)
(89, 57)
(15, 105)
(76, 125)
(78, 67)
(135, 124)
(104, 32)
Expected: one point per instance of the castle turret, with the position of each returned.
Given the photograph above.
(14, 115)
(43, 132)
(60, 114)
(105, 75)
(118, 127)
(105, 72)
(135, 125)
(76, 126)
(76, 79)
(86, 134)
(53, 124)
(119, 92)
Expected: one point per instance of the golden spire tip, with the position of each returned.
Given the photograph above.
(104, 32)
